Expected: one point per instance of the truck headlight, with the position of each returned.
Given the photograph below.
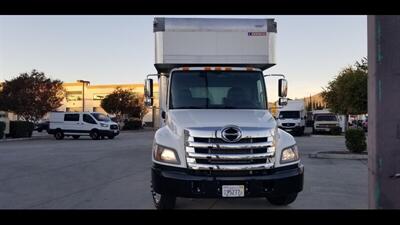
(167, 155)
(290, 154)
(103, 124)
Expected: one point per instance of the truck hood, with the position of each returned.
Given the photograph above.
(186, 118)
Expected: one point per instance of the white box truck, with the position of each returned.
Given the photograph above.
(217, 138)
(292, 117)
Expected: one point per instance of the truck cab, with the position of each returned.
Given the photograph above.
(292, 117)
(217, 137)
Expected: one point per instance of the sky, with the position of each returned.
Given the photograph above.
(310, 50)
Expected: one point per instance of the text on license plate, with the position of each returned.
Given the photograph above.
(232, 190)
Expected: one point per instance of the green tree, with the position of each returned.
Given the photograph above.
(31, 96)
(124, 102)
(347, 94)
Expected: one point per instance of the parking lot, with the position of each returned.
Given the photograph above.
(115, 174)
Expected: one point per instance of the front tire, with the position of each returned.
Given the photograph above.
(95, 135)
(283, 199)
(162, 201)
(59, 135)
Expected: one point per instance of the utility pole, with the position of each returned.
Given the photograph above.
(383, 112)
(84, 82)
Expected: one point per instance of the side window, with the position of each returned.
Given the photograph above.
(88, 119)
(71, 117)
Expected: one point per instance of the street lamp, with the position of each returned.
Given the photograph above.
(83, 92)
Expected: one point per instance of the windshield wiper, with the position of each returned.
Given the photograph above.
(226, 107)
(189, 107)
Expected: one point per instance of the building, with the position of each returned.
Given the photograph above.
(86, 97)
(92, 95)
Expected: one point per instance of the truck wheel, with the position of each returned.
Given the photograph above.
(163, 201)
(94, 135)
(59, 135)
(75, 136)
(282, 200)
(301, 132)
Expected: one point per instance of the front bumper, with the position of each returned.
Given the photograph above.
(185, 183)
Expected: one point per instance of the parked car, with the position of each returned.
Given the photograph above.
(365, 125)
(76, 124)
(326, 122)
(41, 126)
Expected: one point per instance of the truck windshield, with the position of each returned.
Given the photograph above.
(289, 115)
(217, 90)
(101, 117)
(326, 118)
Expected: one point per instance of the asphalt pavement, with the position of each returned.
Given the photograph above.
(45, 173)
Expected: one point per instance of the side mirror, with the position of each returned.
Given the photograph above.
(148, 92)
(282, 88)
(163, 115)
(282, 101)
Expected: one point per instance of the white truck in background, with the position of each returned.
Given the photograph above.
(217, 138)
(292, 117)
(326, 121)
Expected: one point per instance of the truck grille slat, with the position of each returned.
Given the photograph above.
(219, 140)
(229, 145)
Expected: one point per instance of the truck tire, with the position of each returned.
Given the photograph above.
(94, 134)
(163, 201)
(59, 135)
(75, 137)
(301, 132)
(282, 200)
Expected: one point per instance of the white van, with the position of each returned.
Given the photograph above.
(76, 124)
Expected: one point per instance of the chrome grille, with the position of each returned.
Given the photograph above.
(252, 152)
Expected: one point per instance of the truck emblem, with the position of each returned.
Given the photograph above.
(231, 134)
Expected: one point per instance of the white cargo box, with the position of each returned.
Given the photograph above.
(229, 42)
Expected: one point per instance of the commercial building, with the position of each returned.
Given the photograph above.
(82, 96)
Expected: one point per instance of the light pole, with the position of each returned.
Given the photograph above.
(83, 92)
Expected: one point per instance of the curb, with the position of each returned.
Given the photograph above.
(325, 155)
(321, 135)
(22, 139)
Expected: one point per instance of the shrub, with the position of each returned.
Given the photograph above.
(19, 129)
(336, 131)
(2, 128)
(355, 140)
(132, 124)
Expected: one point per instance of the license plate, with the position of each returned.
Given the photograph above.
(115, 131)
(288, 129)
(232, 190)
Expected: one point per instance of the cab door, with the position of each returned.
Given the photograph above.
(88, 122)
